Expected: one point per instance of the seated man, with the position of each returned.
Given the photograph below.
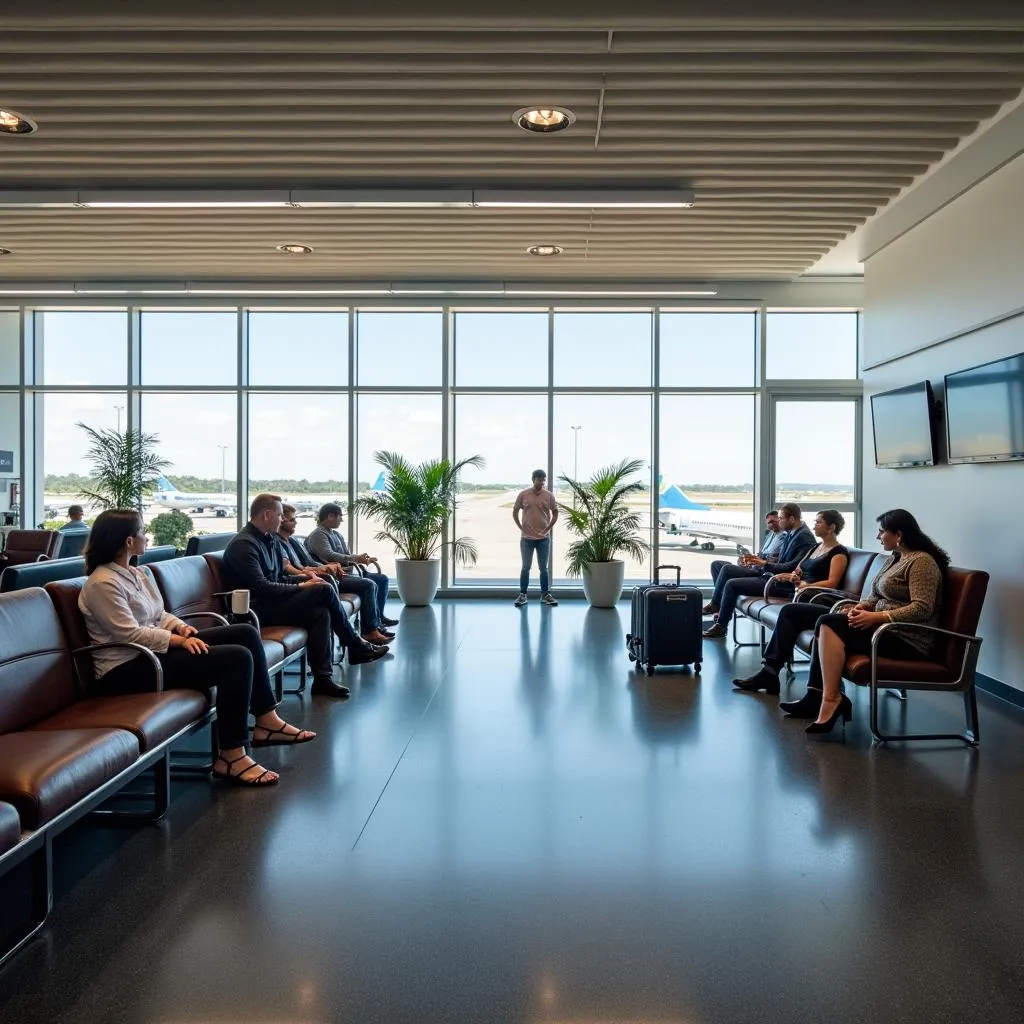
(299, 562)
(735, 581)
(771, 543)
(252, 561)
(327, 545)
(77, 524)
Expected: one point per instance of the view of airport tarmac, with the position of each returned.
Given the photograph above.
(486, 517)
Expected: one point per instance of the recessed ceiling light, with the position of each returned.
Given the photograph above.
(13, 123)
(549, 119)
(545, 250)
(295, 248)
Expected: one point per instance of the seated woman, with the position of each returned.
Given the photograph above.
(823, 568)
(121, 603)
(908, 588)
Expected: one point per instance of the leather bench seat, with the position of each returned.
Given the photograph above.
(858, 670)
(10, 827)
(44, 773)
(288, 639)
(153, 718)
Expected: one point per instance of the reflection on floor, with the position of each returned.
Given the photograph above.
(507, 824)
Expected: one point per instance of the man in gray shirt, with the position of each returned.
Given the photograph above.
(327, 545)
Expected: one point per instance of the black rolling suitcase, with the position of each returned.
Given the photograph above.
(666, 626)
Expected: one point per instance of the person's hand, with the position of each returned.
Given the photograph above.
(192, 644)
(313, 581)
(797, 574)
(184, 629)
(859, 618)
(788, 577)
(364, 559)
(754, 560)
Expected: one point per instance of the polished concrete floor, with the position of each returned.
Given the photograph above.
(506, 823)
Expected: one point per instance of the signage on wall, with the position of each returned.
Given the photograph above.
(6, 462)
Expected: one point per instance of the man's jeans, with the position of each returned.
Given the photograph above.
(526, 549)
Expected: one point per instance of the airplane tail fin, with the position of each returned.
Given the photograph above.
(164, 486)
(379, 484)
(674, 497)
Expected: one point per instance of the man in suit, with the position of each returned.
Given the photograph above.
(326, 544)
(771, 544)
(252, 561)
(298, 561)
(735, 581)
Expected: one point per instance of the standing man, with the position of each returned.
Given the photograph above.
(539, 511)
(327, 545)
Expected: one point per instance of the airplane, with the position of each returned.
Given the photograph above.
(703, 524)
(380, 484)
(168, 496)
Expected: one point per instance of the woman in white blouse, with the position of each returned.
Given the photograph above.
(121, 602)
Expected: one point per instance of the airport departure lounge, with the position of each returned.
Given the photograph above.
(511, 514)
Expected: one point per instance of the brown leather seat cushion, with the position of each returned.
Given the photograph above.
(152, 717)
(45, 773)
(274, 652)
(290, 639)
(858, 670)
(10, 827)
(187, 585)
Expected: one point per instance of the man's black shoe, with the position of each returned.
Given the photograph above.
(360, 654)
(385, 621)
(763, 680)
(327, 687)
(389, 633)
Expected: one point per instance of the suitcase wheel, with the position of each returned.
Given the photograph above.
(632, 656)
(650, 668)
(696, 667)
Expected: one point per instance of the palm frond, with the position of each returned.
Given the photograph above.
(124, 467)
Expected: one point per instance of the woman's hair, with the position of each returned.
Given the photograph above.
(833, 518)
(899, 520)
(109, 533)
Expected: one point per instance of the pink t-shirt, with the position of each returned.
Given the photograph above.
(536, 507)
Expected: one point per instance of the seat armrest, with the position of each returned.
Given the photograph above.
(771, 580)
(972, 647)
(814, 593)
(42, 558)
(250, 616)
(928, 629)
(154, 662)
(205, 615)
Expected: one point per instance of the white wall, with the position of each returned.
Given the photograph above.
(961, 268)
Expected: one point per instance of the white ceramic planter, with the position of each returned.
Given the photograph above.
(417, 581)
(602, 583)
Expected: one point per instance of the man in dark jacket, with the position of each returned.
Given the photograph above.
(252, 561)
(735, 581)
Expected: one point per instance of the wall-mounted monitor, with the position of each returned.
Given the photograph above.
(902, 424)
(985, 412)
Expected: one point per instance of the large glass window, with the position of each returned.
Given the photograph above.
(591, 432)
(399, 349)
(10, 458)
(501, 349)
(603, 349)
(815, 453)
(10, 346)
(298, 448)
(706, 492)
(407, 424)
(82, 347)
(811, 346)
(185, 348)
(511, 433)
(66, 465)
(292, 349)
(197, 435)
(707, 350)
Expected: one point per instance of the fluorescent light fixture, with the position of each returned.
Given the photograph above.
(437, 198)
(398, 197)
(655, 289)
(611, 198)
(447, 288)
(299, 289)
(131, 287)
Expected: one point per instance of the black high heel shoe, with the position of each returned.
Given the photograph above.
(843, 710)
(807, 706)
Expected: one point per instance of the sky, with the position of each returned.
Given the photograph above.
(705, 438)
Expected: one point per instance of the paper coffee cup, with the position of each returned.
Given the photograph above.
(239, 602)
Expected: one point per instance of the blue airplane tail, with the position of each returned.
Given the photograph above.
(379, 484)
(673, 497)
(164, 486)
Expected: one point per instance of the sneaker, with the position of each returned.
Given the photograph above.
(716, 632)
(520, 600)
(549, 601)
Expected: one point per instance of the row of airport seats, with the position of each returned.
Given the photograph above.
(65, 751)
(951, 666)
(38, 574)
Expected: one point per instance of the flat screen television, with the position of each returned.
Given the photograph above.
(902, 423)
(985, 412)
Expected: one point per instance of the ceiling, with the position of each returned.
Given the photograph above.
(791, 131)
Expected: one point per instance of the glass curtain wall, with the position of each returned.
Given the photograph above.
(716, 405)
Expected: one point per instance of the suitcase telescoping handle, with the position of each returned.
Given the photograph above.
(679, 572)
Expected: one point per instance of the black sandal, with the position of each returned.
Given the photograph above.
(236, 779)
(285, 739)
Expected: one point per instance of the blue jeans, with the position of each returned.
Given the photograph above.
(526, 549)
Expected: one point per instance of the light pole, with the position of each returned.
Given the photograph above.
(223, 452)
(120, 409)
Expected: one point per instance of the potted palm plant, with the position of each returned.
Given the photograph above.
(605, 525)
(414, 510)
(124, 467)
